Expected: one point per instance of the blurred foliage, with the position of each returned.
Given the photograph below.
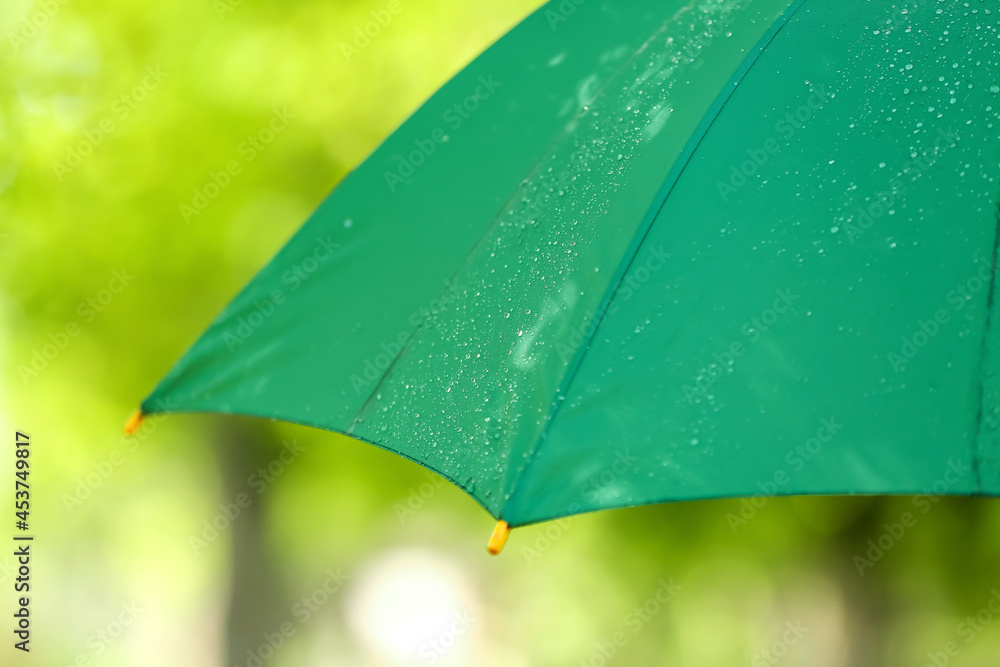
(118, 518)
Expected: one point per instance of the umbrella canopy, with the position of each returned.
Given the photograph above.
(644, 251)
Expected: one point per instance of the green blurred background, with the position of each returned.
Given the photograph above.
(112, 115)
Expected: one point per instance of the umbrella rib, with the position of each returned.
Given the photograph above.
(984, 353)
(505, 206)
(643, 231)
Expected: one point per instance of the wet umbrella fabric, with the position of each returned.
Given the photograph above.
(641, 252)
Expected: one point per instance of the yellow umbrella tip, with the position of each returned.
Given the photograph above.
(134, 422)
(499, 538)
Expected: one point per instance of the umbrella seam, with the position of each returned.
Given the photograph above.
(665, 190)
(984, 352)
(546, 151)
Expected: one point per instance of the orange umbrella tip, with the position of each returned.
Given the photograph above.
(499, 538)
(134, 422)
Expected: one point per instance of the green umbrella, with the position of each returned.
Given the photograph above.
(641, 252)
